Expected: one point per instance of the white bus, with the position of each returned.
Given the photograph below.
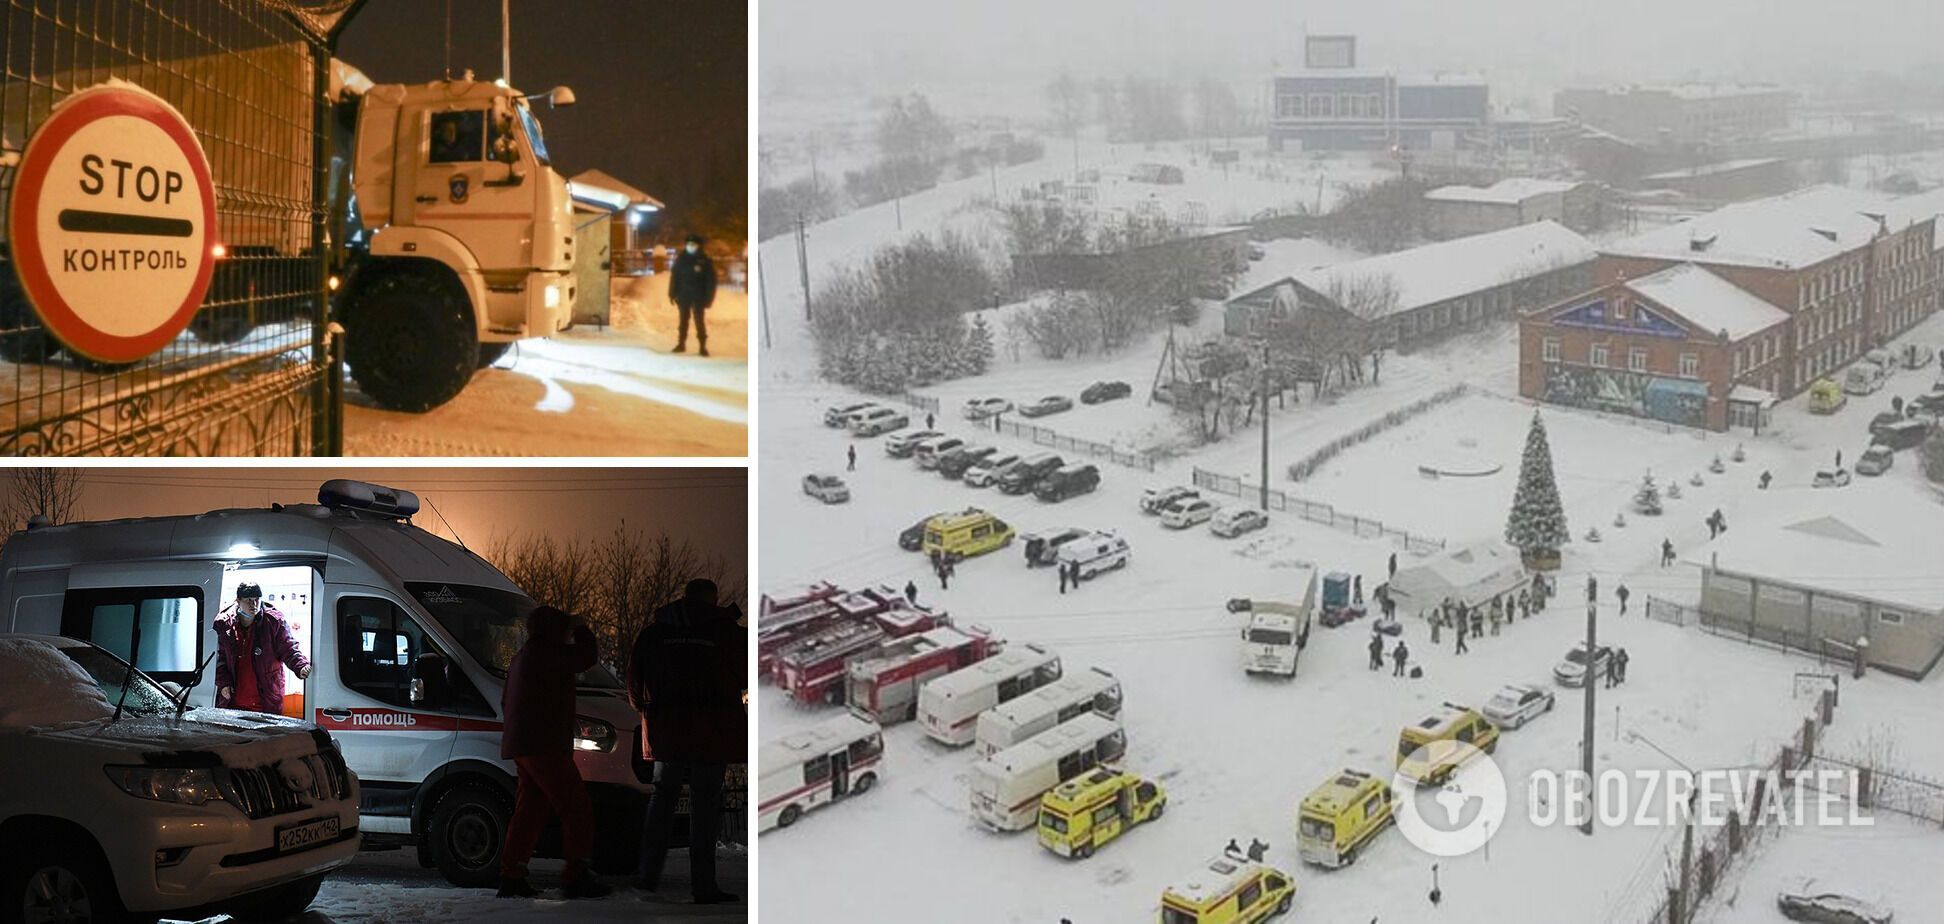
(1072, 696)
(815, 767)
(1006, 787)
(949, 705)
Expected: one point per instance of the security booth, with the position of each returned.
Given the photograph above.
(163, 286)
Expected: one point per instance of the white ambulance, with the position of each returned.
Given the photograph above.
(1072, 696)
(949, 706)
(409, 638)
(1006, 787)
(815, 767)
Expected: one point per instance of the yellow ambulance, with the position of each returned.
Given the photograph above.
(1086, 812)
(1439, 735)
(974, 532)
(1228, 890)
(1338, 818)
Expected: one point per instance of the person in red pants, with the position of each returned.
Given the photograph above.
(539, 739)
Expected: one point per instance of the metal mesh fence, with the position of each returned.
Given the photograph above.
(255, 372)
(1315, 512)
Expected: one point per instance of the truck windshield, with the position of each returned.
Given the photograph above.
(108, 671)
(534, 137)
(490, 624)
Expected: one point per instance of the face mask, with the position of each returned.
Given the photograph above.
(690, 248)
(246, 612)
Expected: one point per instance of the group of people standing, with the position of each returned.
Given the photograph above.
(1468, 622)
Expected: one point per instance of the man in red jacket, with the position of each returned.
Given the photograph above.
(253, 646)
(539, 738)
(686, 677)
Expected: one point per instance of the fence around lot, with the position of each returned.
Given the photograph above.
(1883, 790)
(1054, 439)
(1326, 514)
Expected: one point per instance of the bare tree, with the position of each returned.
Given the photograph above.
(54, 493)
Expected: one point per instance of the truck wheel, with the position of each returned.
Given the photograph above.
(789, 817)
(410, 341)
(286, 901)
(864, 783)
(467, 831)
(62, 881)
(221, 325)
(490, 353)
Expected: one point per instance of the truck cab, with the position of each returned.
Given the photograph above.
(1083, 814)
(409, 638)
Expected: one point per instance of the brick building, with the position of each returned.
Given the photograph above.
(1847, 270)
(1681, 114)
(1459, 211)
(1729, 181)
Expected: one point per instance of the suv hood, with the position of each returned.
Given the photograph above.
(202, 737)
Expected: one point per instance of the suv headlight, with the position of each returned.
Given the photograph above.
(167, 784)
(592, 735)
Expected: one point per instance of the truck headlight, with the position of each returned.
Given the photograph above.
(167, 784)
(592, 735)
(552, 297)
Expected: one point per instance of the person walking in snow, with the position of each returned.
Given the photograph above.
(1393, 565)
(1525, 603)
(1399, 656)
(1765, 481)
(1612, 671)
(1721, 521)
(931, 422)
(1356, 593)
(944, 574)
(1478, 622)
(1376, 651)
(1462, 647)
(1667, 552)
(1062, 568)
(851, 453)
(692, 287)
(1620, 660)
(1839, 460)
(1497, 618)
(1437, 620)
(1623, 593)
(911, 593)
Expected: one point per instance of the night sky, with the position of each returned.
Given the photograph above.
(707, 506)
(662, 89)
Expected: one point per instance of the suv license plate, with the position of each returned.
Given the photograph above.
(310, 833)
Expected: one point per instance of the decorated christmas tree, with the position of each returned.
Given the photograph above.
(1537, 524)
(1647, 498)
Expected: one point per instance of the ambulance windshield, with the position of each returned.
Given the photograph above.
(490, 624)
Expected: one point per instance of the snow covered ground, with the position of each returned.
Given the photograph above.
(614, 391)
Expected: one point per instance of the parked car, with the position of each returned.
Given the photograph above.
(827, 488)
(1516, 704)
(1916, 356)
(1829, 908)
(987, 470)
(1831, 479)
(119, 800)
(1875, 460)
(1078, 478)
(1154, 500)
(953, 464)
(1051, 404)
(1930, 403)
(1864, 378)
(902, 445)
(1905, 434)
(1885, 419)
(1571, 670)
(1100, 392)
(1025, 474)
(1043, 547)
(929, 452)
(841, 415)
(1236, 520)
(1187, 512)
(981, 408)
(876, 420)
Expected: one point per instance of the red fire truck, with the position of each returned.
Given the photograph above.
(807, 626)
(811, 669)
(883, 685)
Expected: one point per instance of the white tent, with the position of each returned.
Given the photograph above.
(1472, 574)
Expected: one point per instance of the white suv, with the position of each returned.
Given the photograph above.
(161, 809)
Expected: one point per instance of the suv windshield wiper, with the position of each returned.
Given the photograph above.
(182, 700)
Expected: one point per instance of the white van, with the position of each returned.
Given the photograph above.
(878, 420)
(930, 451)
(409, 638)
(1006, 787)
(815, 767)
(1094, 553)
(1072, 696)
(1864, 378)
(949, 705)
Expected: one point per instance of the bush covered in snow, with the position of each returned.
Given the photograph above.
(900, 320)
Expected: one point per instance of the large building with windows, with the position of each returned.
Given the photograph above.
(1331, 104)
(1847, 271)
(1680, 114)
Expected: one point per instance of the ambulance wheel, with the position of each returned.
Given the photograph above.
(490, 353)
(1282, 907)
(1159, 808)
(466, 833)
(410, 340)
(790, 815)
(1083, 851)
(864, 783)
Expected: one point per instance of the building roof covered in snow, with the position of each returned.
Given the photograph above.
(1471, 574)
(1440, 272)
(1863, 542)
(1708, 301)
(1726, 166)
(1509, 191)
(1790, 231)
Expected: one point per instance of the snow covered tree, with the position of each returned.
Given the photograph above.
(1537, 524)
(1647, 498)
(979, 347)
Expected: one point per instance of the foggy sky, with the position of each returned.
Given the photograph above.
(707, 506)
(885, 46)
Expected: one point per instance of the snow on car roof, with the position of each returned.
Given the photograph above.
(1214, 879)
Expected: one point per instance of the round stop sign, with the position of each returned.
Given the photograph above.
(113, 223)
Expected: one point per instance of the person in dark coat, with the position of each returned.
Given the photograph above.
(1667, 550)
(1062, 568)
(1592, 589)
(692, 287)
(1376, 651)
(911, 592)
(1765, 481)
(1356, 595)
(687, 681)
(1461, 647)
(253, 646)
(931, 422)
(1399, 656)
(1620, 659)
(1393, 564)
(1612, 671)
(850, 453)
(1623, 593)
(539, 706)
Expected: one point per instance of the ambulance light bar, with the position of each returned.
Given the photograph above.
(345, 494)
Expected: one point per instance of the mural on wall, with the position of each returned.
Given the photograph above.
(1615, 391)
(1642, 319)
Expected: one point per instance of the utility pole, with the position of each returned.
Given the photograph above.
(506, 41)
(762, 294)
(803, 264)
(1265, 424)
(1586, 735)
